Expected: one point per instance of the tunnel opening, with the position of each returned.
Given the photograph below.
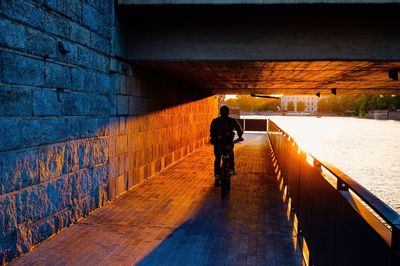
(98, 97)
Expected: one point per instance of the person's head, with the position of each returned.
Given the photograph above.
(224, 110)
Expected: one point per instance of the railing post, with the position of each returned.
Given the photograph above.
(341, 185)
(396, 237)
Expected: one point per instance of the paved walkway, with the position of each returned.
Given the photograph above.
(178, 218)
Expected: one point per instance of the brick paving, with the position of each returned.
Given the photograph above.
(178, 218)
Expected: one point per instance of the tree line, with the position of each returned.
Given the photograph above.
(358, 105)
(247, 103)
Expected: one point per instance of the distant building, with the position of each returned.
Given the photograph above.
(310, 102)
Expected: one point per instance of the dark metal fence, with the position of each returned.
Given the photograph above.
(253, 124)
(342, 222)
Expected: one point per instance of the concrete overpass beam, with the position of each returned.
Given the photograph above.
(277, 32)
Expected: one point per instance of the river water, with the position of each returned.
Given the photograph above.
(366, 150)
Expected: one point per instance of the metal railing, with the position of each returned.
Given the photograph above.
(253, 124)
(342, 222)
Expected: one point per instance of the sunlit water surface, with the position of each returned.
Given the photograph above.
(366, 150)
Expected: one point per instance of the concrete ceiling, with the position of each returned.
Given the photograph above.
(294, 77)
(281, 49)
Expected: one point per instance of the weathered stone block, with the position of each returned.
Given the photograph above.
(74, 9)
(113, 64)
(8, 215)
(79, 34)
(70, 129)
(98, 151)
(83, 154)
(94, 3)
(82, 185)
(105, 7)
(43, 200)
(51, 161)
(46, 103)
(122, 164)
(99, 43)
(18, 69)
(111, 188)
(84, 80)
(100, 173)
(71, 160)
(89, 127)
(130, 159)
(103, 83)
(85, 57)
(100, 105)
(93, 60)
(90, 16)
(136, 176)
(18, 170)
(58, 195)
(142, 174)
(11, 135)
(114, 166)
(139, 158)
(57, 25)
(122, 144)
(131, 179)
(113, 104)
(92, 152)
(114, 126)
(122, 105)
(67, 52)
(133, 124)
(103, 126)
(76, 104)
(13, 35)
(15, 101)
(23, 11)
(70, 8)
(8, 249)
(58, 76)
(96, 21)
(112, 148)
(121, 184)
(115, 82)
(122, 125)
(40, 44)
(101, 62)
(42, 131)
(51, 4)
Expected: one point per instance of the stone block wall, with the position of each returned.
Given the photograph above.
(78, 126)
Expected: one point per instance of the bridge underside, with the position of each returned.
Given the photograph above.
(294, 77)
(288, 49)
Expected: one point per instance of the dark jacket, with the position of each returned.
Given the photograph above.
(221, 130)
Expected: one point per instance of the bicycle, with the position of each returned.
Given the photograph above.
(225, 176)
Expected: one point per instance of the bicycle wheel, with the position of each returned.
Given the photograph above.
(224, 184)
(228, 183)
(228, 177)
